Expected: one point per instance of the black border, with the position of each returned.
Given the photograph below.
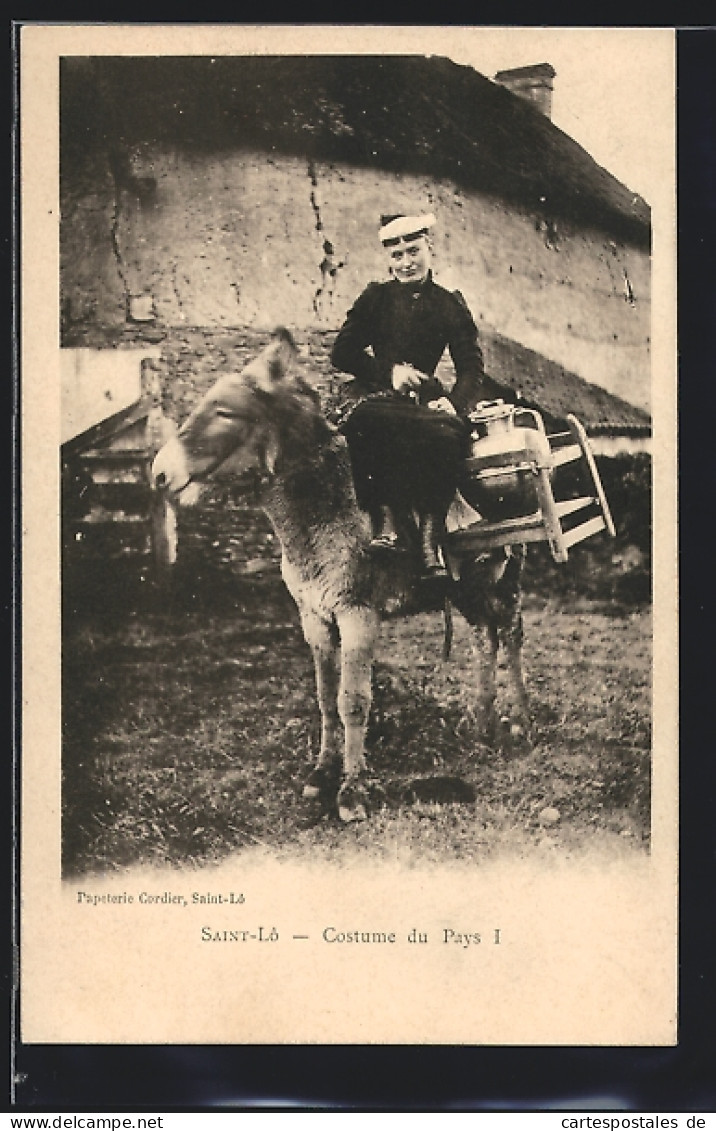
(452, 1079)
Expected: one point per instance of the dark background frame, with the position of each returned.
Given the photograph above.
(444, 1078)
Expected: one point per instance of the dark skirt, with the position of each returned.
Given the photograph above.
(404, 455)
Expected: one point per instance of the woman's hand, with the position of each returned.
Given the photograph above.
(406, 378)
(442, 404)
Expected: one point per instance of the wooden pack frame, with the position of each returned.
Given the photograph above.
(562, 523)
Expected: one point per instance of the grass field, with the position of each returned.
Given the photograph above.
(188, 726)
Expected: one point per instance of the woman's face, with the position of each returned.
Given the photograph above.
(410, 262)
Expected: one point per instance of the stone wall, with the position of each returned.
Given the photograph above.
(235, 238)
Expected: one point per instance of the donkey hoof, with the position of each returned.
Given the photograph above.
(350, 816)
(353, 803)
(322, 783)
(516, 735)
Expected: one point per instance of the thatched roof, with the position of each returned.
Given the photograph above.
(557, 391)
(417, 114)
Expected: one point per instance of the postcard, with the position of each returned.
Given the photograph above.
(289, 777)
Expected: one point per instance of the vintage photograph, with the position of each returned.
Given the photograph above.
(364, 390)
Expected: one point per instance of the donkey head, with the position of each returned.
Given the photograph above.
(238, 425)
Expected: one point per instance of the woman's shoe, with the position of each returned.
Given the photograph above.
(386, 537)
(389, 543)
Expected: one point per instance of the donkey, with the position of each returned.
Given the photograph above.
(267, 419)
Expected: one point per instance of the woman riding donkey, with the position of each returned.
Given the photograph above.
(407, 436)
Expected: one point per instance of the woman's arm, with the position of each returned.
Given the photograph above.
(467, 358)
(350, 349)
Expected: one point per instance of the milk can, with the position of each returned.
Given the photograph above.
(508, 445)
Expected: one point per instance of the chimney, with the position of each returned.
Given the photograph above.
(534, 84)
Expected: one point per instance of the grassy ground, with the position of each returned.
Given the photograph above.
(189, 727)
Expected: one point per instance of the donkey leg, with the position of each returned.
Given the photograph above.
(358, 631)
(471, 596)
(510, 630)
(510, 637)
(322, 783)
(489, 597)
(484, 649)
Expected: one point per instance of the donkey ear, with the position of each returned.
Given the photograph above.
(273, 363)
(276, 370)
(282, 353)
(271, 452)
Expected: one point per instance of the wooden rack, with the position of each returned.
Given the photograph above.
(561, 522)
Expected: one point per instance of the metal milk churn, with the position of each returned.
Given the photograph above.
(508, 445)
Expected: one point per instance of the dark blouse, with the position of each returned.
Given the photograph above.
(394, 322)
